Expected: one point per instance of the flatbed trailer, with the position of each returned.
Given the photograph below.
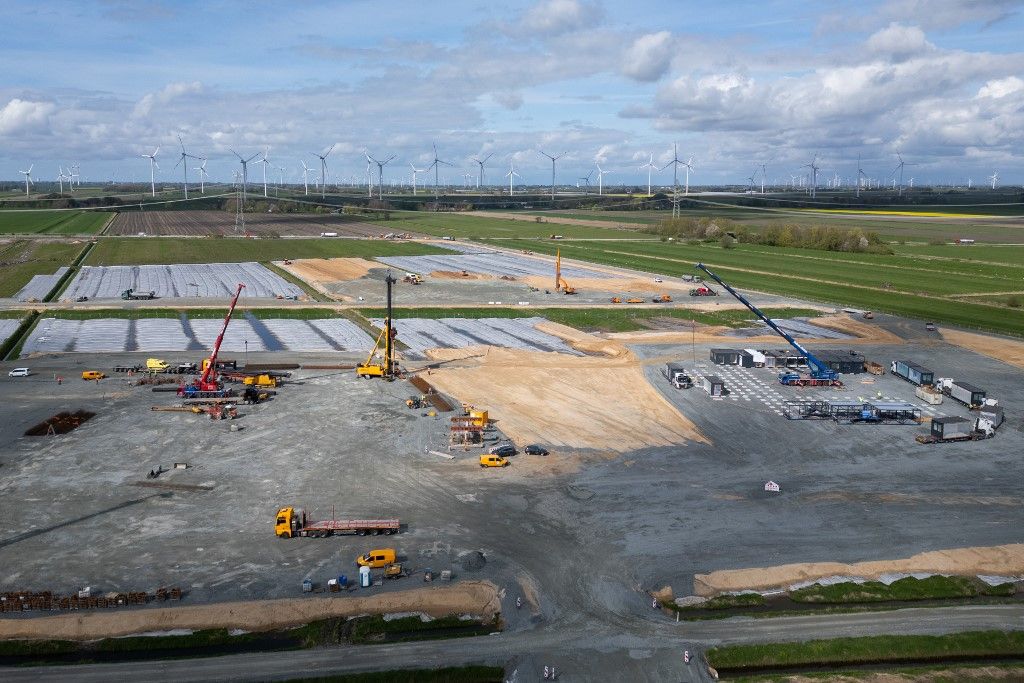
(292, 522)
(931, 438)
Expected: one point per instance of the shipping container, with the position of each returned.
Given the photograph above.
(725, 356)
(714, 385)
(746, 359)
(968, 394)
(912, 372)
(952, 427)
(993, 414)
(759, 359)
(847, 362)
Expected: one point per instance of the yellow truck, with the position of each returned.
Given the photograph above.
(375, 559)
(156, 364)
(291, 522)
(92, 374)
(260, 381)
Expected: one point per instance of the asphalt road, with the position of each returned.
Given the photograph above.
(650, 649)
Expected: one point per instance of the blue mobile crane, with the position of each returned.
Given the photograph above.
(821, 375)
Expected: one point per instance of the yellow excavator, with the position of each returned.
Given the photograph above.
(560, 284)
(386, 367)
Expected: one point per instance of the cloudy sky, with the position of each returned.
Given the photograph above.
(734, 84)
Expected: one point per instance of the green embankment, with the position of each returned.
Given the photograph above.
(625, 319)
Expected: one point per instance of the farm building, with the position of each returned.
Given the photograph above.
(848, 362)
(725, 356)
(714, 385)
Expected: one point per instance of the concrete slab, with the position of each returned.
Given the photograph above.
(213, 280)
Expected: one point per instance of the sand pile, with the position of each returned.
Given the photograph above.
(457, 275)
(615, 285)
(467, 597)
(1007, 350)
(1000, 560)
(564, 401)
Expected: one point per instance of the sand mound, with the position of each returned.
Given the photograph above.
(1006, 350)
(850, 325)
(564, 401)
(584, 341)
(615, 285)
(1000, 560)
(457, 275)
(467, 597)
(320, 271)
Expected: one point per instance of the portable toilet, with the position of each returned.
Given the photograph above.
(364, 577)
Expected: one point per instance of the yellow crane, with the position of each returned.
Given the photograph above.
(560, 284)
(386, 367)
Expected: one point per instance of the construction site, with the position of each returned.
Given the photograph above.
(553, 477)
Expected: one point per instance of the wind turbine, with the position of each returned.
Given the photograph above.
(323, 170)
(553, 160)
(245, 171)
(675, 164)
(434, 165)
(380, 173)
(510, 175)
(899, 167)
(61, 177)
(600, 179)
(860, 174)
(414, 172)
(814, 173)
(73, 176)
(480, 181)
(152, 174)
(305, 177)
(750, 182)
(265, 163)
(184, 164)
(649, 166)
(764, 174)
(202, 176)
(994, 178)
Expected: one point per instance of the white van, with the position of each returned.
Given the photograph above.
(19, 372)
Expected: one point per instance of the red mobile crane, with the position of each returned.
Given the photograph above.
(207, 386)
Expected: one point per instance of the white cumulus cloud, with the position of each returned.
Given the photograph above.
(1001, 87)
(648, 58)
(552, 17)
(23, 115)
(170, 92)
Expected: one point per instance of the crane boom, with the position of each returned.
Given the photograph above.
(211, 368)
(818, 369)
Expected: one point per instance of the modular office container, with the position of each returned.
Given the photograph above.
(714, 385)
(968, 394)
(912, 372)
(952, 427)
(725, 356)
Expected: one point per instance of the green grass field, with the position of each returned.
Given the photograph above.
(441, 224)
(916, 289)
(840, 651)
(53, 222)
(19, 261)
(113, 251)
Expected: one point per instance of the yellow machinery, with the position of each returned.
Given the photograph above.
(386, 367)
(260, 381)
(478, 418)
(560, 284)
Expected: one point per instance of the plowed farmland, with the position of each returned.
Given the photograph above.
(204, 223)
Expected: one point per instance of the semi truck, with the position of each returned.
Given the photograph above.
(291, 522)
(134, 295)
(912, 372)
(950, 429)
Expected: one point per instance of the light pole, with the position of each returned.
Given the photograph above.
(246, 352)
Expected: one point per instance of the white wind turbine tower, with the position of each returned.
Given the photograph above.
(899, 167)
(183, 160)
(764, 175)
(60, 178)
(994, 178)
(323, 170)
(649, 166)
(861, 175)
(553, 160)
(380, 173)
(203, 175)
(305, 177)
(434, 165)
(511, 175)
(814, 175)
(28, 177)
(600, 179)
(414, 172)
(73, 176)
(480, 180)
(152, 173)
(265, 163)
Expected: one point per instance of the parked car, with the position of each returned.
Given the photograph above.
(19, 372)
(534, 449)
(493, 461)
(658, 279)
(504, 450)
(81, 299)
(930, 327)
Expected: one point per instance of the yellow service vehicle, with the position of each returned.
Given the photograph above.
(491, 460)
(92, 374)
(156, 364)
(375, 559)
